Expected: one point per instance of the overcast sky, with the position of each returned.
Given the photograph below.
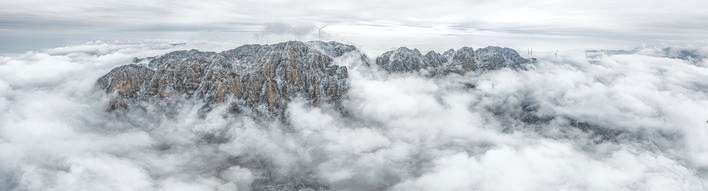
(37, 24)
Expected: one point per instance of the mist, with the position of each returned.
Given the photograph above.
(613, 122)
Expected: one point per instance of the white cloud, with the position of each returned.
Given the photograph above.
(280, 28)
(405, 132)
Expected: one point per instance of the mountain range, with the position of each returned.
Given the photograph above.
(262, 79)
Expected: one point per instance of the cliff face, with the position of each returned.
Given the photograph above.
(461, 61)
(403, 59)
(265, 77)
(261, 77)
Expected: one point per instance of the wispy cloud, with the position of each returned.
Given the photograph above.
(643, 127)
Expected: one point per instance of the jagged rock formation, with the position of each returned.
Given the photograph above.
(260, 77)
(265, 77)
(463, 60)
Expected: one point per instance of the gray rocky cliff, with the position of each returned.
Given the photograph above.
(458, 61)
(264, 78)
(257, 77)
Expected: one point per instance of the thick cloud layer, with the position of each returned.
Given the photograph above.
(615, 122)
(281, 28)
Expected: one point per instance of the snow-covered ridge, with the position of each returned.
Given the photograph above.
(461, 61)
(261, 77)
(266, 77)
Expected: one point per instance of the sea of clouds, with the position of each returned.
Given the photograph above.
(614, 122)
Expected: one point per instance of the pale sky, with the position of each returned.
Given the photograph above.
(38, 24)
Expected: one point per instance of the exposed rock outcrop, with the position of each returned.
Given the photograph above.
(259, 77)
(265, 77)
(463, 60)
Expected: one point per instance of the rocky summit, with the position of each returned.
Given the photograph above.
(264, 78)
(257, 77)
(452, 61)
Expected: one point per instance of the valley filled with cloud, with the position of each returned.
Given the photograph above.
(579, 120)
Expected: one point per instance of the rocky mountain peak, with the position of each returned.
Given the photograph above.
(403, 59)
(459, 61)
(494, 57)
(264, 78)
(254, 77)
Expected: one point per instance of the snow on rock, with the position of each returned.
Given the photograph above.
(255, 77)
(461, 61)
